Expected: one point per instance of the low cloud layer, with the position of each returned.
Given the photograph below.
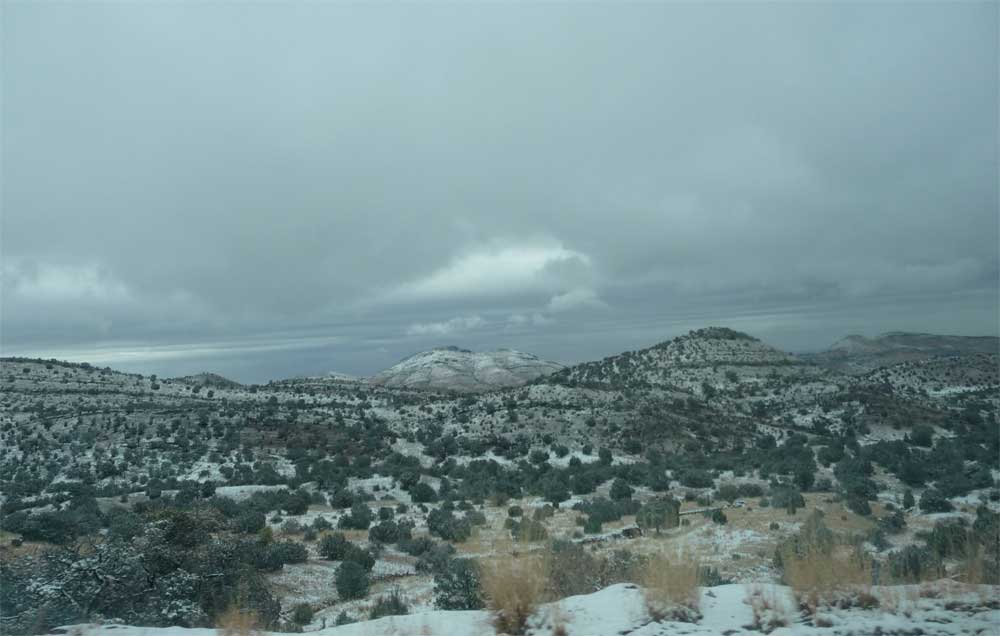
(270, 190)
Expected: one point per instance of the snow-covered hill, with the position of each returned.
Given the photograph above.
(454, 369)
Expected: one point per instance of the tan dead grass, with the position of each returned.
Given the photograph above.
(10, 553)
(83, 630)
(899, 600)
(238, 622)
(973, 568)
(670, 586)
(768, 610)
(355, 536)
(819, 578)
(558, 621)
(514, 587)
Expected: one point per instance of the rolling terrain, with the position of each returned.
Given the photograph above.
(453, 457)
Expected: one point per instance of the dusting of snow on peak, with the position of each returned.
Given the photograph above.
(453, 369)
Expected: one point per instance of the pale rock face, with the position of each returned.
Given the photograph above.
(451, 368)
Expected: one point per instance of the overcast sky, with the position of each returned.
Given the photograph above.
(271, 189)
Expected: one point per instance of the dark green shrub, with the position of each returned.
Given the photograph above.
(416, 546)
(321, 523)
(302, 614)
(695, 478)
(389, 605)
(787, 497)
(436, 558)
(422, 493)
(457, 586)
(249, 522)
(934, 501)
(620, 490)
(359, 555)
(443, 523)
(529, 530)
(352, 580)
(343, 618)
(727, 492)
(334, 546)
(384, 532)
(858, 504)
(659, 514)
(922, 435)
(288, 552)
(359, 518)
(342, 499)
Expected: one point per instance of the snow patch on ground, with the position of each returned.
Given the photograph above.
(725, 609)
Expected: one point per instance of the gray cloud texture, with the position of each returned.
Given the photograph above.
(278, 188)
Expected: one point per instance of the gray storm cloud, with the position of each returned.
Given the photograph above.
(270, 189)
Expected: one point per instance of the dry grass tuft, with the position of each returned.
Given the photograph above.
(865, 599)
(931, 589)
(975, 565)
(557, 621)
(238, 622)
(83, 630)
(768, 611)
(820, 578)
(899, 600)
(671, 588)
(514, 588)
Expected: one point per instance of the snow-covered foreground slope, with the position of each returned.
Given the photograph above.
(726, 610)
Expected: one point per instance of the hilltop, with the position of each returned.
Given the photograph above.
(209, 380)
(856, 354)
(682, 361)
(454, 369)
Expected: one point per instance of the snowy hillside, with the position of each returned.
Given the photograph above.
(454, 369)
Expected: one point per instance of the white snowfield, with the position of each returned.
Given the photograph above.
(451, 368)
(727, 610)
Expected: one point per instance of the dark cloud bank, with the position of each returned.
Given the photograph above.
(274, 189)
